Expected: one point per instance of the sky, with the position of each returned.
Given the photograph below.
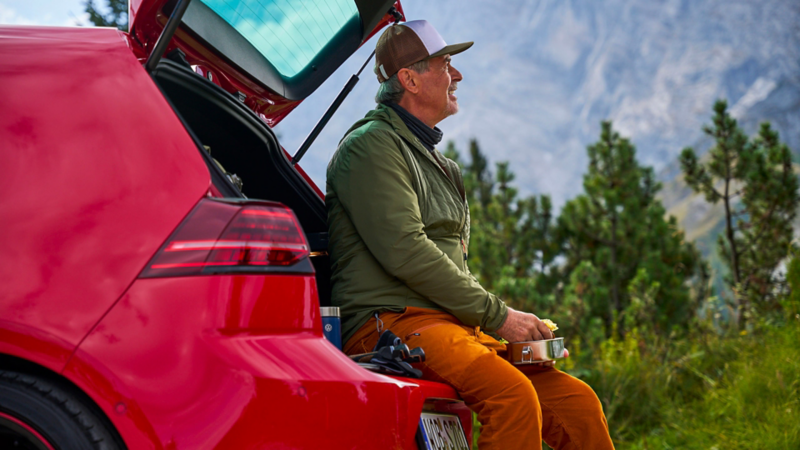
(42, 12)
(543, 73)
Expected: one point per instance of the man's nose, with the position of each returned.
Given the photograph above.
(455, 74)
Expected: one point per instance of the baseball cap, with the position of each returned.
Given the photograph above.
(410, 42)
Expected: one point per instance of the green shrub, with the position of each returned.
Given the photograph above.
(704, 390)
(755, 404)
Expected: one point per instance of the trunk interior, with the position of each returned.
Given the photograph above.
(244, 145)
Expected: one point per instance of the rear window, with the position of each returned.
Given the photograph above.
(288, 33)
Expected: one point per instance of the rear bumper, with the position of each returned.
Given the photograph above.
(240, 362)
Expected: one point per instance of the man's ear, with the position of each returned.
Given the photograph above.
(409, 79)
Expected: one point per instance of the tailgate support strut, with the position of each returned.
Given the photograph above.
(166, 35)
(351, 83)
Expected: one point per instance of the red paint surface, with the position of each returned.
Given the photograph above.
(87, 193)
(239, 362)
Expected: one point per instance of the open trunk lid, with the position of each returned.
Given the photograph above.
(272, 54)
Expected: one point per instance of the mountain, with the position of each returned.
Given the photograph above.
(543, 74)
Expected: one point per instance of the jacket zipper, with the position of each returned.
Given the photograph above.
(464, 213)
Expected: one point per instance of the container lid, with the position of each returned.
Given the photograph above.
(329, 311)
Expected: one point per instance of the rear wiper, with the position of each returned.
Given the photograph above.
(351, 83)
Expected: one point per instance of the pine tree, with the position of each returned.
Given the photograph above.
(479, 177)
(512, 240)
(117, 15)
(754, 180)
(539, 245)
(618, 227)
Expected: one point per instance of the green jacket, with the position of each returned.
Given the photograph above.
(399, 228)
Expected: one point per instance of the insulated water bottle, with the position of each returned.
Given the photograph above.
(332, 325)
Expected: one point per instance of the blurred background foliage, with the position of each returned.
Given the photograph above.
(108, 13)
(676, 361)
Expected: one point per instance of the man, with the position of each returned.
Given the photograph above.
(399, 233)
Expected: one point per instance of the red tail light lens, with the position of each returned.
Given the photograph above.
(220, 237)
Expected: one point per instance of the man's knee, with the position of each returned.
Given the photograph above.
(526, 401)
(582, 404)
(519, 392)
(493, 380)
(566, 393)
(588, 397)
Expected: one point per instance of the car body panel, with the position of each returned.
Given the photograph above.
(69, 121)
(228, 362)
(34, 344)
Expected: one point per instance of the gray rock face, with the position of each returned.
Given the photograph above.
(544, 73)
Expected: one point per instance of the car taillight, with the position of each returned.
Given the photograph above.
(221, 237)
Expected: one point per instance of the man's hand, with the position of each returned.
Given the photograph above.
(521, 326)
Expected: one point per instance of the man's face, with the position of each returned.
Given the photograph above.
(438, 86)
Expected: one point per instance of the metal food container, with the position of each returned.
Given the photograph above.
(532, 352)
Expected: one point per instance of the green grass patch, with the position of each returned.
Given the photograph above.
(703, 391)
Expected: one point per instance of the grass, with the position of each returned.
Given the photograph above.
(703, 391)
(753, 404)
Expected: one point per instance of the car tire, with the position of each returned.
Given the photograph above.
(39, 413)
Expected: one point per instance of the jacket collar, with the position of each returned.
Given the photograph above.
(400, 127)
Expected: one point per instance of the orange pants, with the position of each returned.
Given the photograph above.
(518, 406)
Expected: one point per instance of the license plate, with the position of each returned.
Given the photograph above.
(442, 432)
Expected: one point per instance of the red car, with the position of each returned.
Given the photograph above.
(146, 302)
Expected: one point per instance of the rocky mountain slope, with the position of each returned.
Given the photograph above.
(544, 73)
